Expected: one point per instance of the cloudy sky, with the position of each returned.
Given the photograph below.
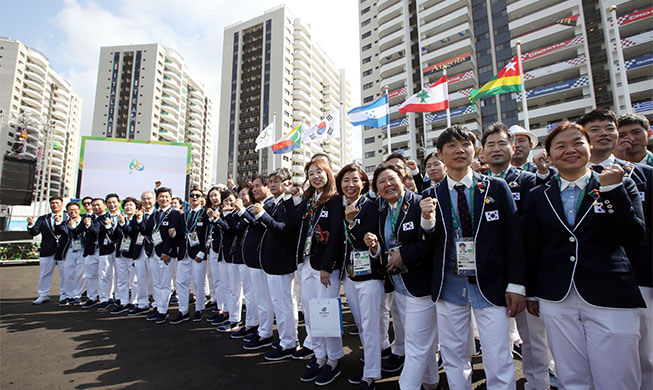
(70, 33)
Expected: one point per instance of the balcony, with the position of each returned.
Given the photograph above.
(393, 11)
(391, 40)
(32, 93)
(38, 58)
(298, 73)
(169, 98)
(383, 4)
(543, 37)
(172, 92)
(58, 115)
(448, 52)
(542, 18)
(33, 103)
(168, 81)
(557, 112)
(33, 84)
(37, 68)
(454, 17)
(164, 135)
(450, 34)
(34, 76)
(391, 25)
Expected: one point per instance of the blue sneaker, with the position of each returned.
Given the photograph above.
(197, 317)
(103, 306)
(257, 343)
(154, 314)
(162, 318)
(179, 318)
(311, 373)
(327, 374)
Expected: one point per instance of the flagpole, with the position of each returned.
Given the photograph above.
(620, 58)
(342, 135)
(446, 86)
(387, 126)
(274, 136)
(523, 88)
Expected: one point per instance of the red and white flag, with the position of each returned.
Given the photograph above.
(431, 99)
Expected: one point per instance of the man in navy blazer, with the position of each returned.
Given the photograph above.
(45, 226)
(479, 211)
(578, 225)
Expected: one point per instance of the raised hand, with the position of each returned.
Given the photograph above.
(350, 212)
(30, 221)
(542, 162)
(611, 176)
(172, 232)
(428, 208)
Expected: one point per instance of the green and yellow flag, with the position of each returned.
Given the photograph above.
(507, 80)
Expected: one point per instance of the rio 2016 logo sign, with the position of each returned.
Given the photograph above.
(135, 165)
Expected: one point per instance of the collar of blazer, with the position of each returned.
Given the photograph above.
(552, 194)
(482, 188)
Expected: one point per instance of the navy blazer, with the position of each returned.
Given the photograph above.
(252, 239)
(105, 237)
(134, 231)
(90, 237)
(229, 234)
(240, 231)
(324, 256)
(278, 241)
(499, 242)
(170, 219)
(49, 239)
(66, 236)
(416, 252)
(589, 254)
(216, 233)
(201, 228)
(365, 220)
(520, 183)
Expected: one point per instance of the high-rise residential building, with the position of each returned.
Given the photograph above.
(272, 68)
(568, 67)
(146, 92)
(40, 119)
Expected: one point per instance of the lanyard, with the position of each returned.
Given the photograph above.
(197, 216)
(502, 174)
(162, 218)
(394, 216)
(582, 192)
(456, 225)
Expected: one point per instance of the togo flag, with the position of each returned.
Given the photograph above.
(289, 142)
(329, 127)
(507, 80)
(431, 99)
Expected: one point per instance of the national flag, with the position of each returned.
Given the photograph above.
(372, 115)
(329, 127)
(568, 21)
(265, 137)
(57, 145)
(507, 80)
(431, 99)
(289, 142)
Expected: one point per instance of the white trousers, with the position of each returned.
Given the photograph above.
(420, 324)
(330, 347)
(535, 351)
(302, 271)
(251, 316)
(594, 347)
(80, 276)
(140, 290)
(217, 289)
(73, 265)
(106, 265)
(280, 288)
(365, 300)
(492, 322)
(162, 286)
(646, 340)
(234, 301)
(188, 269)
(123, 267)
(390, 306)
(91, 272)
(46, 271)
(264, 308)
(153, 269)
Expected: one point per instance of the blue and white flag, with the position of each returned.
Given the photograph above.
(372, 115)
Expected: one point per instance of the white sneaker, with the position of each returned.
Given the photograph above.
(40, 300)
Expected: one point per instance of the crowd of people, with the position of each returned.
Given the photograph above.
(551, 253)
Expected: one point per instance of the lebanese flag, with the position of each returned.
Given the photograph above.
(431, 99)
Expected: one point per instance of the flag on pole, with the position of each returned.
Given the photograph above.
(431, 99)
(265, 137)
(327, 128)
(507, 80)
(289, 142)
(372, 115)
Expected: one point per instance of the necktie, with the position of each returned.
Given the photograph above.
(190, 220)
(597, 168)
(464, 216)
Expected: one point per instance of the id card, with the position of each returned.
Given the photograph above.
(465, 257)
(76, 245)
(125, 244)
(307, 247)
(139, 239)
(192, 239)
(401, 270)
(361, 262)
(156, 238)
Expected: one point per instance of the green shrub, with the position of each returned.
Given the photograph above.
(19, 251)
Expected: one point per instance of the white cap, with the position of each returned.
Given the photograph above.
(518, 130)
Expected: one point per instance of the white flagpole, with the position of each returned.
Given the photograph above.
(387, 127)
(524, 105)
(446, 89)
(274, 137)
(622, 66)
(342, 135)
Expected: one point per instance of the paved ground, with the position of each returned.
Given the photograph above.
(48, 347)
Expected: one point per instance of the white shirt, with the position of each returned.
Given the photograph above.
(581, 182)
(467, 181)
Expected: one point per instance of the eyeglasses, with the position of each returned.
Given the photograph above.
(195, 195)
(86, 203)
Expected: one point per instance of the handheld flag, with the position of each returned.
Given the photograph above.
(265, 137)
(372, 115)
(507, 80)
(431, 99)
(327, 128)
(288, 142)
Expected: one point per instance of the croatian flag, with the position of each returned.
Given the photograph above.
(431, 99)
(289, 142)
(372, 115)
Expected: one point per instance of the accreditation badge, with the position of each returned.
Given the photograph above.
(193, 240)
(361, 262)
(465, 257)
(139, 239)
(76, 245)
(125, 244)
(156, 238)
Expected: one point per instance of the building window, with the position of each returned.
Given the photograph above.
(366, 60)
(366, 22)
(368, 99)
(367, 86)
(370, 168)
(369, 140)
(370, 154)
(366, 35)
(367, 72)
(366, 10)
(367, 47)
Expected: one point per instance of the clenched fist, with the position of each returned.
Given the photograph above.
(350, 212)
(428, 208)
(611, 176)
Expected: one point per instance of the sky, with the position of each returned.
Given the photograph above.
(70, 33)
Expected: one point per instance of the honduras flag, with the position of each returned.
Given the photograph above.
(372, 115)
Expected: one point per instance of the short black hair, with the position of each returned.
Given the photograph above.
(112, 195)
(55, 198)
(282, 173)
(352, 168)
(73, 204)
(227, 193)
(598, 114)
(161, 190)
(432, 155)
(497, 128)
(455, 132)
(135, 201)
(100, 199)
(87, 197)
(265, 179)
(634, 119)
(395, 155)
(196, 189)
(559, 129)
(320, 154)
(385, 167)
